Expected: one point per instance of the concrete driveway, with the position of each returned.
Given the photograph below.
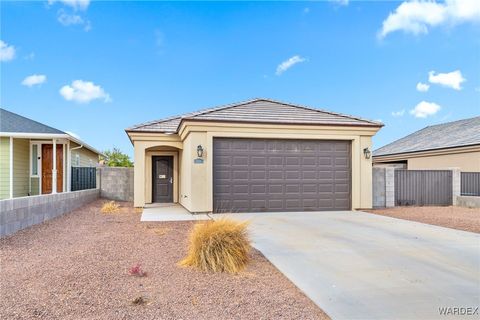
(356, 265)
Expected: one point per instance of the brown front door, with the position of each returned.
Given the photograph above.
(162, 190)
(47, 166)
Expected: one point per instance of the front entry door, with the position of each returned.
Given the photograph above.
(47, 166)
(162, 190)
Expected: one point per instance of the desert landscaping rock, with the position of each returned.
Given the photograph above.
(76, 266)
(466, 219)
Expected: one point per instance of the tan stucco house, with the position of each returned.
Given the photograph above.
(448, 145)
(37, 159)
(257, 155)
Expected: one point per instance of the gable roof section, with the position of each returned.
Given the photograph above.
(12, 122)
(447, 135)
(256, 111)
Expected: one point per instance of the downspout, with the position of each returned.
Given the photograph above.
(69, 182)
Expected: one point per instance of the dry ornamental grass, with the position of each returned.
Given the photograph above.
(110, 207)
(218, 246)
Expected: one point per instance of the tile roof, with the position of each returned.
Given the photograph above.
(12, 122)
(447, 135)
(256, 111)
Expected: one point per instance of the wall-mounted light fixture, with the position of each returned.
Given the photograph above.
(200, 151)
(367, 153)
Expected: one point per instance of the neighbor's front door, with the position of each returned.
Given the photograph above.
(162, 170)
(47, 166)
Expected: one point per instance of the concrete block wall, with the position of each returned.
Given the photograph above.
(19, 213)
(383, 187)
(389, 187)
(468, 201)
(456, 184)
(378, 187)
(116, 183)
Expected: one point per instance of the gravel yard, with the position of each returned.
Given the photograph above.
(467, 219)
(76, 266)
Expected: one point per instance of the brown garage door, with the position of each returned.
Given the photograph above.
(251, 175)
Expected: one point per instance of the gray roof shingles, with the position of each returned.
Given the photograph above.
(12, 122)
(256, 110)
(447, 135)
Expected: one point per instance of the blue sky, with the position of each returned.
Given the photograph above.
(95, 68)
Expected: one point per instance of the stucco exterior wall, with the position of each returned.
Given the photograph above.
(4, 167)
(21, 170)
(195, 188)
(467, 162)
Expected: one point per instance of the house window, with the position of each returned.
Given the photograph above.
(77, 160)
(35, 160)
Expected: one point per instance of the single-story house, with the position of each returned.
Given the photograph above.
(447, 145)
(37, 159)
(257, 155)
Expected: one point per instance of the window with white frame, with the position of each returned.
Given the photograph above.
(35, 160)
(77, 160)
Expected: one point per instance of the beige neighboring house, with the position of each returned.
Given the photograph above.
(29, 152)
(447, 145)
(253, 156)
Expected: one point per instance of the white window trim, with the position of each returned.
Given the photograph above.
(40, 143)
(39, 161)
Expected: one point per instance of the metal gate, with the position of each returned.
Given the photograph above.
(423, 187)
(83, 178)
(470, 184)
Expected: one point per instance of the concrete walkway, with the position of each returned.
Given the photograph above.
(356, 265)
(170, 212)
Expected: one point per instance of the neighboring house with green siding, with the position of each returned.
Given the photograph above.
(29, 152)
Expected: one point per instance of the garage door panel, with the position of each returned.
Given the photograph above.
(258, 189)
(241, 161)
(258, 175)
(258, 161)
(240, 175)
(280, 175)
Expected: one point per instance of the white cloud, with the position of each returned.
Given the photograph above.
(398, 113)
(418, 16)
(69, 19)
(83, 92)
(75, 4)
(452, 79)
(7, 52)
(423, 87)
(287, 64)
(425, 109)
(34, 79)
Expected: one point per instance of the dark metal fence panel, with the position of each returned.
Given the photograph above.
(470, 184)
(423, 187)
(83, 178)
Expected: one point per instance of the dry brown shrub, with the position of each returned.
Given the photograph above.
(220, 246)
(110, 207)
